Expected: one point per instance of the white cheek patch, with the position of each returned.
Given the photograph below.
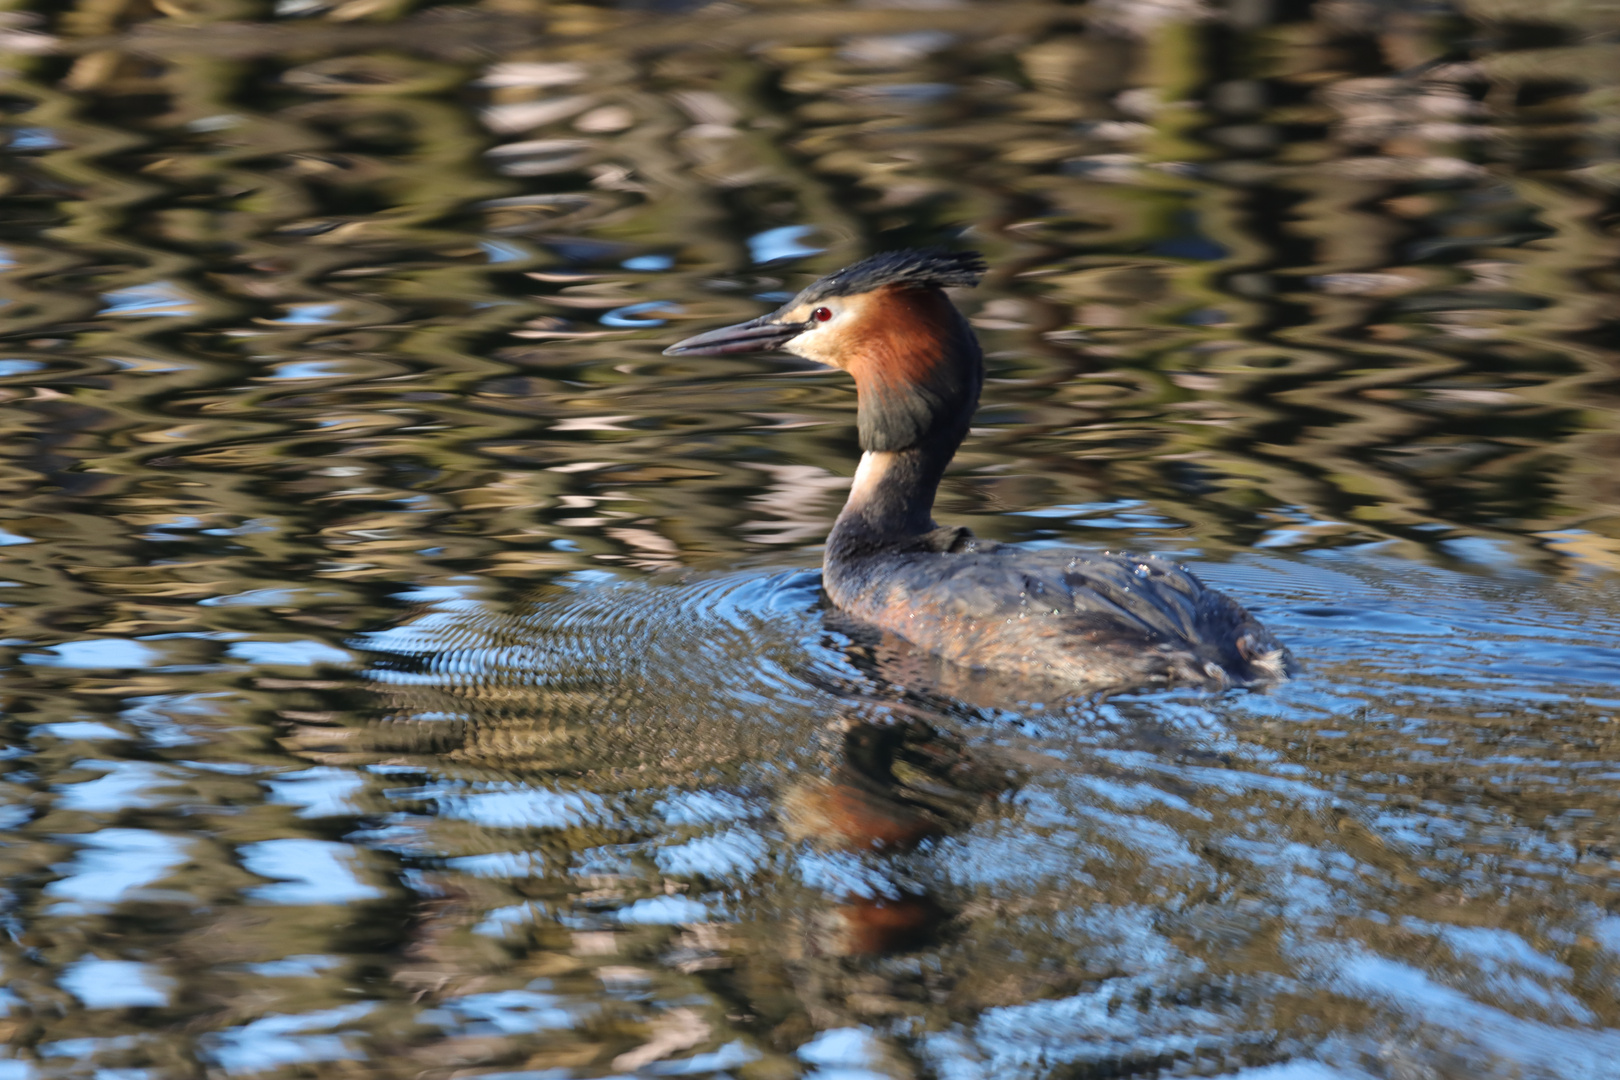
(809, 346)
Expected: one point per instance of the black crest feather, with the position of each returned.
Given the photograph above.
(922, 268)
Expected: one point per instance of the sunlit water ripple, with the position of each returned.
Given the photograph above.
(1381, 837)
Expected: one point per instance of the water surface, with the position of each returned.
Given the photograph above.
(409, 671)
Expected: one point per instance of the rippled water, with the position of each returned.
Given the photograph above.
(408, 671)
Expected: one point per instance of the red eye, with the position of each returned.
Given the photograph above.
(821, 314)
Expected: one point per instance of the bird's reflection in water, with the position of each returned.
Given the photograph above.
(892, 786)
(849, 943)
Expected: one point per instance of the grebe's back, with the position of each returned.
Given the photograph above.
(1098, 619)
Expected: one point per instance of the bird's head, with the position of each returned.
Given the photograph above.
(887, 321)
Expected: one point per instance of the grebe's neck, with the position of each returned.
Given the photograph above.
(891, 498)
(918, 370)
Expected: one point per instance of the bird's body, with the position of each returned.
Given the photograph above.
(1074, 617)
(1085, 619)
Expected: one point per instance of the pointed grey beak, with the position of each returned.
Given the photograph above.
(755, 335)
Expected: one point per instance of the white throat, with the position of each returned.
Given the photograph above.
(869, 475)
(892, 493)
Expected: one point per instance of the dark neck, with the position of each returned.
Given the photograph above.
(918, 384)
(892, 496)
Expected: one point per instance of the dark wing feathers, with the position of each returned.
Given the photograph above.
(1159, 599)
(1159, 596)
(1144, 600)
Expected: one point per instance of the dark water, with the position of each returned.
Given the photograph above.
(408, 671)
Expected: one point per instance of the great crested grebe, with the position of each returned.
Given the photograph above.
(1095, 620)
